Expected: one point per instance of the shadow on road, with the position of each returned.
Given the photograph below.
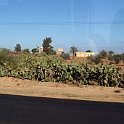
(38, 110)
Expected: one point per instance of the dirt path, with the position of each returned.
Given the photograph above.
(58, 90)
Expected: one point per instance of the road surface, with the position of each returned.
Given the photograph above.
(38, 110)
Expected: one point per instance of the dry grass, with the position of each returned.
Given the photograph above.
(59, 90)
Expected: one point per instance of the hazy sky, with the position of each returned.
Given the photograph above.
(87, 24)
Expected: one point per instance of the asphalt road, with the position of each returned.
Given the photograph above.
(36, 110)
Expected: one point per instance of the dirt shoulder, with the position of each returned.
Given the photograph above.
(59, 90)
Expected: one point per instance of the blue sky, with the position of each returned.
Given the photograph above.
(79, 23)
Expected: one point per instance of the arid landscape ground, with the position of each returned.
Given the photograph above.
(59, 90)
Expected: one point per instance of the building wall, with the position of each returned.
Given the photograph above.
(84, 54)
(60, 51)
(40, 49)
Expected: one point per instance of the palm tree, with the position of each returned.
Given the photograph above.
(73, 50)
(110, 56)
(111, 52)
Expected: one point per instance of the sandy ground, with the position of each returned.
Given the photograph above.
(58, 90)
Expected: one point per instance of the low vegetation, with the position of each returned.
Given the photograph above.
(110, 55)
(48, 67)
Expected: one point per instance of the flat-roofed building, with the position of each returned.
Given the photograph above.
(84, 54)
(59, 51)
(40, 49)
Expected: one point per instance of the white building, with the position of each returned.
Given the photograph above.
(84, 54)
(40, 49)
(59, 51)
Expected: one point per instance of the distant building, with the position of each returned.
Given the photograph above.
(40, 49)
(59, 51)
(84, 54)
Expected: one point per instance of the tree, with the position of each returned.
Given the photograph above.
(117, 58)
(103, 54)
(4, 51)
(47, 48)
(65, 56)
(111, 52)
(18, 48)
(26, 50)
(52, 52)
(73, 50)
(5, 56)
(110, 56)
(88, 51)
(34, 50)
(96, 59)
(122, 57)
